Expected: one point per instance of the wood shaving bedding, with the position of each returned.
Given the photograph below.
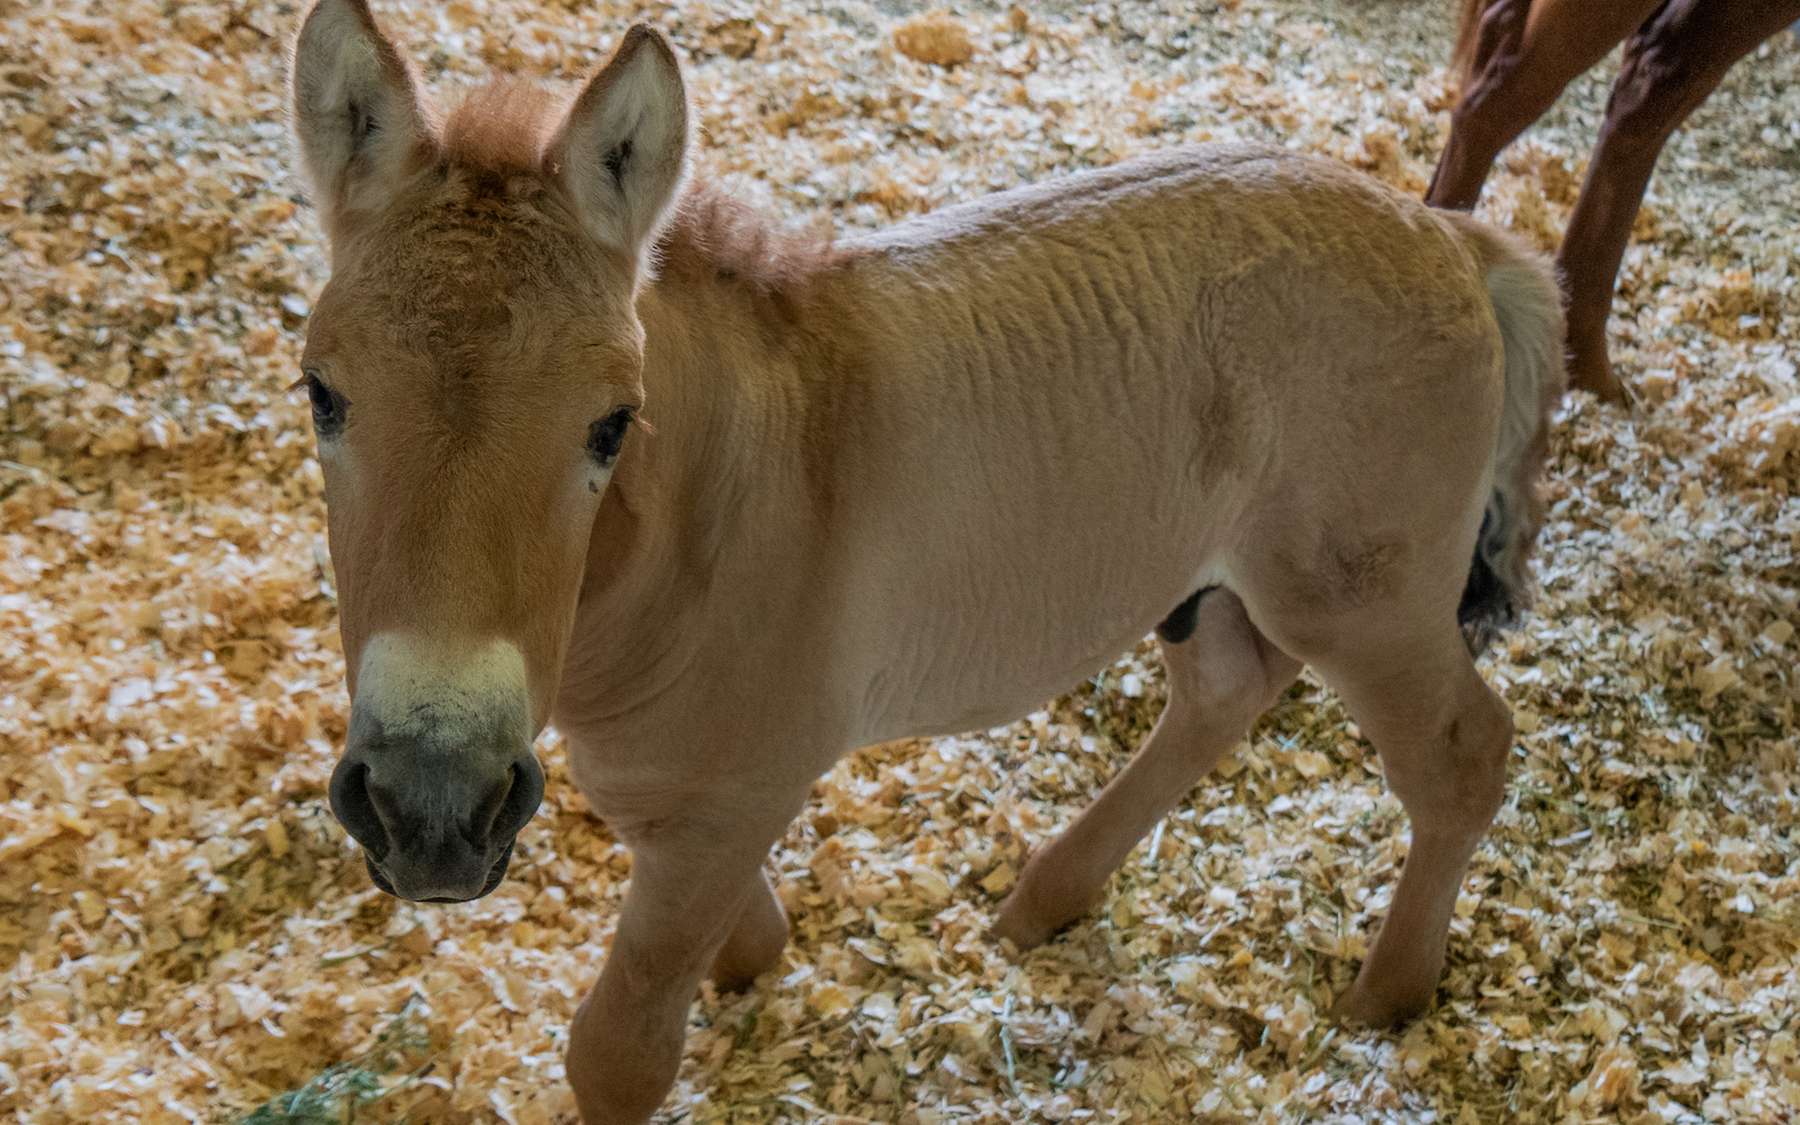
(188, 935)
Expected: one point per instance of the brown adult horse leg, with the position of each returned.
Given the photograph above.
(1671, 64)
(1524, 54)
(1221, 677)
(695, 872)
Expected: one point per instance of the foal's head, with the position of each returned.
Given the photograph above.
(474, 369)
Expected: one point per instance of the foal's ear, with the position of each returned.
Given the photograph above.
(623, 148)
(358, 114)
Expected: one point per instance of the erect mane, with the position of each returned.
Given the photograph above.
(506, 126)
(712, 234)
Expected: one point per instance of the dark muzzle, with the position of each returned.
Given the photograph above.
(435, 825)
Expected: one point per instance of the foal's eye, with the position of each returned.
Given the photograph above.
(327, 406)
(606, 435)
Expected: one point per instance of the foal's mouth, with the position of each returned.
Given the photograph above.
(495, 874)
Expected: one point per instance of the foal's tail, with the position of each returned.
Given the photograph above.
(1528, 306)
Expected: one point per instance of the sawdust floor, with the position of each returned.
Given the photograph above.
(187, 934)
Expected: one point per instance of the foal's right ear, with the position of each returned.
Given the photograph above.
(358, 114)
(623, 148)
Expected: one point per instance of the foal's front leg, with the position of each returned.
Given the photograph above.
(695, 883)
(756, 940)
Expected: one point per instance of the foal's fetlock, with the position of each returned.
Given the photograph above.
(1398, 982)
(622, 1076)
(1021, 924)
(605, 1107)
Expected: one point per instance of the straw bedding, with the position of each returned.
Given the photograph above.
(187, 936)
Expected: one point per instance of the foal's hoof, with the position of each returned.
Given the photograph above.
(735, 978)
(747, 957)
(740, 963)
(1363, 1007)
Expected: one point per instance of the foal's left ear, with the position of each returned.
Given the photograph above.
(623, 148)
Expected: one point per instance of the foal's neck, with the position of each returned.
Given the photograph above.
(726, 496)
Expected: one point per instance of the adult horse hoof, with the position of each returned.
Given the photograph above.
(1592, 371)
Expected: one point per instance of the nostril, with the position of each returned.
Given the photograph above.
(485, 820)
(355, 810)
(522, 797)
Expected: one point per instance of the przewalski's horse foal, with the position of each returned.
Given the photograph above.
(1514, 57)
(913, 484)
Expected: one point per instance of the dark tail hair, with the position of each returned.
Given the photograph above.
(1528, 308)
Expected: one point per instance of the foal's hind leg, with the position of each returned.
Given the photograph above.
(1221, 678)
(1443, 736)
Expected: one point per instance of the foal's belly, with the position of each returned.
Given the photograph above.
(1014, 564)
(979, 703)
(1043, 595)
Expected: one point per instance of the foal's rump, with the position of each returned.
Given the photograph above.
(1408, 357)
(1437, 342)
